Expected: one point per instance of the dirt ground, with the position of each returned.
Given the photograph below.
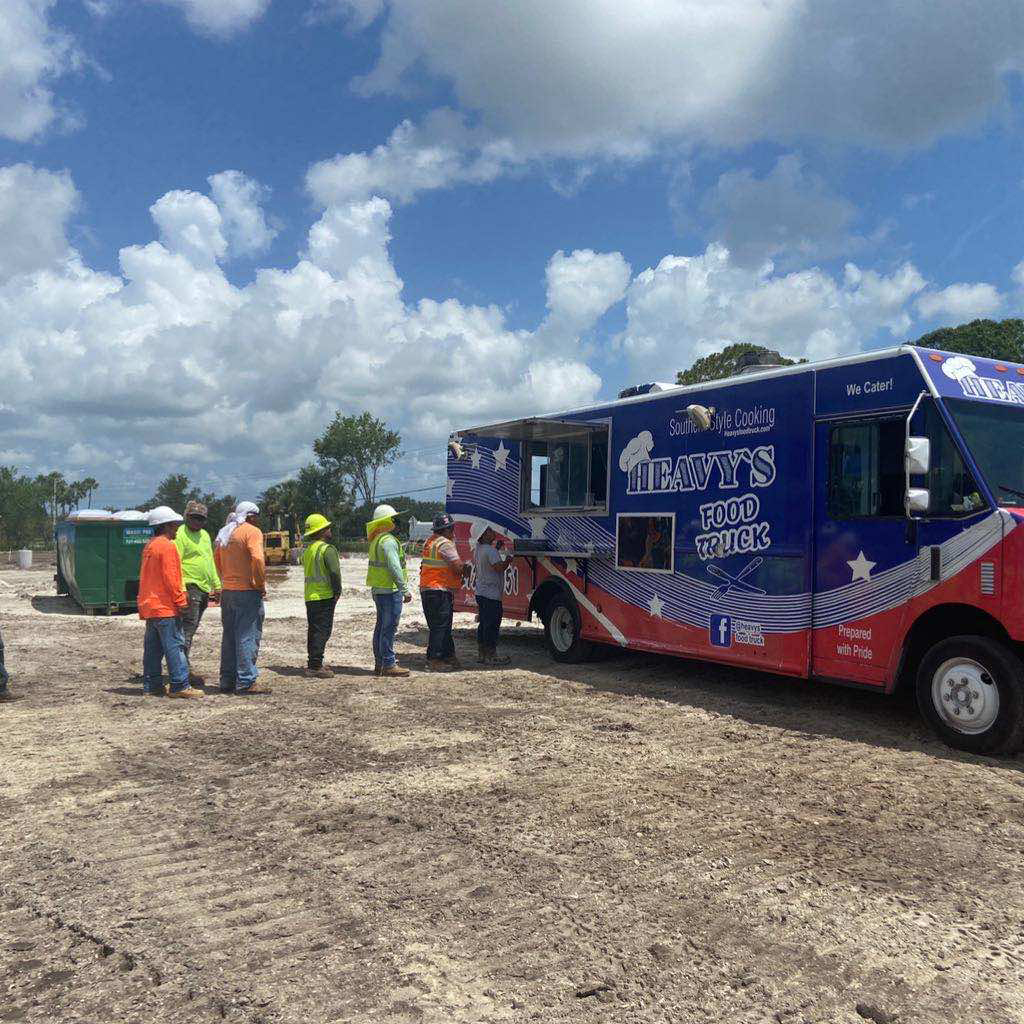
(641, 839)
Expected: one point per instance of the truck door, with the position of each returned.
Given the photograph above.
(864, 548)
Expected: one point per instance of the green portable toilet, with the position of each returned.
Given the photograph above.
(98, 562)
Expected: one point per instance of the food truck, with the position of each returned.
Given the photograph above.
(852, 521)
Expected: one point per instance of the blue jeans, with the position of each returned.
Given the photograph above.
(389, 611)
(241, 616)
(164, 639)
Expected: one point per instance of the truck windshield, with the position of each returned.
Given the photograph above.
(995, 436)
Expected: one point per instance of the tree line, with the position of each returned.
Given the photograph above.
(29, 506)
(341, 482)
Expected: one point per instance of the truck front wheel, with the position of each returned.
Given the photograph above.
(971, 690)
(563, 629)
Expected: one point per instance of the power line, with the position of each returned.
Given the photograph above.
(402, 494)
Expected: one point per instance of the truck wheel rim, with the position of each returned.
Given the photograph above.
(965, 696)
(563, 628)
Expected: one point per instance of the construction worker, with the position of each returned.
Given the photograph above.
(162, 601)
(243, 572)
(198, 573)
(5, 679)
(490, 561)
(388, 580)
(441, 574)
(323, 588)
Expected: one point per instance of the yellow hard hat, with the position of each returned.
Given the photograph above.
(315, 523)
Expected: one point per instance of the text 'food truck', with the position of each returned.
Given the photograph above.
(856, 520)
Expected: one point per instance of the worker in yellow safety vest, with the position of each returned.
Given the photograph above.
(388, 580)
(441, 574)
(323, 588)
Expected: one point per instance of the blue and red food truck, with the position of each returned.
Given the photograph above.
(855, 520)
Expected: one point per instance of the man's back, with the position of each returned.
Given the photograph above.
(242, 562)
(160, 589)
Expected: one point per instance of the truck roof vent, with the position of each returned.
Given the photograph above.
(645, 389)
(758, 368)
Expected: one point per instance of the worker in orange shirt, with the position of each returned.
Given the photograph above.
(242, 565)
(162, 599)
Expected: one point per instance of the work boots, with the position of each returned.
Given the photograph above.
(394, 670)
(189, 693)
(318, 673)
(494, 658)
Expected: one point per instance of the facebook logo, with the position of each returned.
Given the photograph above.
(721, 631)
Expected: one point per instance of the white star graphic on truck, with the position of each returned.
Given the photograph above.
(656, 605)
(500, 455)
(861, 567)
(475, 458)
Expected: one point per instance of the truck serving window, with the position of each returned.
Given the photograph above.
(564, 462)
(566, 474)
(645, 543)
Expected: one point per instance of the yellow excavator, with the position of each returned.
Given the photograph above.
(276, 545)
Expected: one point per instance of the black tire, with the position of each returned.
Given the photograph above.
(979, 685)
(562, 631)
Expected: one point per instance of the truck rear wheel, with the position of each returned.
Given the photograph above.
(563, 629)
(971, 690)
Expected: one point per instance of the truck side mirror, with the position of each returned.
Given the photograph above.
(918, 455)
(917, 497)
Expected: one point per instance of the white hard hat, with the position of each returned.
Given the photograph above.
(384, 512)
(162, 515)
(247, 508)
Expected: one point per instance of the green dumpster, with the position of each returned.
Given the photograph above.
(98, 563)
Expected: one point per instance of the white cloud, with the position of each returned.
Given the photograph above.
(168, 350)
(35, 206)
(582, 287)
(204, 230)
(32, 55)
(440, 152)
(358, 13)
(240, 200)
(961, 302)
(190, 224)
(601, 76)
(689, 306)
(1017, 274)
(789, 210)
(220, 17)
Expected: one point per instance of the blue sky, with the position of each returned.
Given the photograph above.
(222, 220)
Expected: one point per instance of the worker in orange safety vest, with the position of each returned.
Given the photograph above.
(441, 574)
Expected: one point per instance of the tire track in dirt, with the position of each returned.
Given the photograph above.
(594, 845)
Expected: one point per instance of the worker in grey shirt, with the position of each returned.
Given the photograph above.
(490, 561)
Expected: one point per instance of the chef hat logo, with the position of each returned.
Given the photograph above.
(638, 450)
(958, 367)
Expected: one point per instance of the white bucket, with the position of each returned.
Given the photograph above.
(24, 559)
